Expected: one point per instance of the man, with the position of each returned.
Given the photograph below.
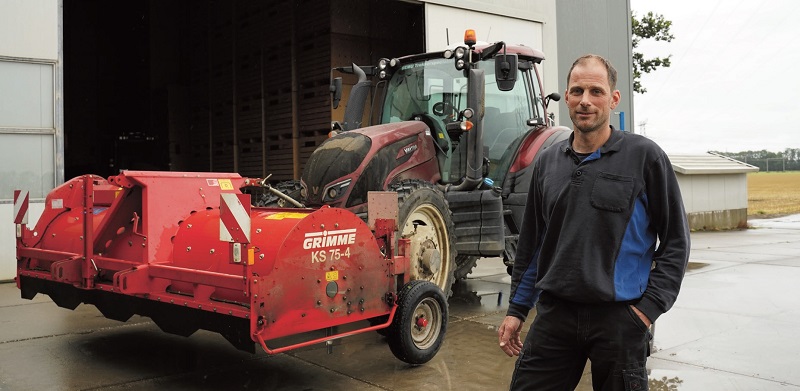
(603, 248)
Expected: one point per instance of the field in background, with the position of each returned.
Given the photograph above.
(771, 194)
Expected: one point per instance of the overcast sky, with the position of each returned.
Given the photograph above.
(734, 83)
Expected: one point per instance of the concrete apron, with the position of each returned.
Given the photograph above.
(732, 328)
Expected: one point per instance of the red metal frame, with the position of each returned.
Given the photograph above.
(154, 237)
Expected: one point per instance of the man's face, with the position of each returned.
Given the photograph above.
(589, 97)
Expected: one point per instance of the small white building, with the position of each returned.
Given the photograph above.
(714, 189)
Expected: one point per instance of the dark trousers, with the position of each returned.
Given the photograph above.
(565, 334)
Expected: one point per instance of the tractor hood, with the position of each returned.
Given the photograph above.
(362, 160)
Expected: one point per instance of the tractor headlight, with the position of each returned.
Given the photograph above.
(386, 67)
(459, 55)
(336, 190)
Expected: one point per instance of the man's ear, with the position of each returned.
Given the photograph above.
(615, 97)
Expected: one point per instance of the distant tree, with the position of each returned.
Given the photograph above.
(788, 160)
(650, 26)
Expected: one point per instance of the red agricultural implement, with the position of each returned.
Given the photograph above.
(188, 251)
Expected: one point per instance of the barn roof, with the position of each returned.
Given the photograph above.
(709, 163)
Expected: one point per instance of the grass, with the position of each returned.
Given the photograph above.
(772, 194)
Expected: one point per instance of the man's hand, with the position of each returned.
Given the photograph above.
(642, 316)
(508, 332)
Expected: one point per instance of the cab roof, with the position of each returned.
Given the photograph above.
(524, 52)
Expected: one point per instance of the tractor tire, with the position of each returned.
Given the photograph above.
(420, 323)
(425, 218)
(268, 200)
(464, 266)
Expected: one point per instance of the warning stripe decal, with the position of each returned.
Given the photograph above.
(21, 206)
(234, 218)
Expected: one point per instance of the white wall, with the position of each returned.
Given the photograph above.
(707, 193)
(31, 119)
(8, 252)
(531, 23)
(29, 28)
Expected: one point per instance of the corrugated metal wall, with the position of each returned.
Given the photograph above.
(600, 27)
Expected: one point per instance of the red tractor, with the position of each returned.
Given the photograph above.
(454, 133)
(392, 214)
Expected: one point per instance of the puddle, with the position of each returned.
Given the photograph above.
(696, 265)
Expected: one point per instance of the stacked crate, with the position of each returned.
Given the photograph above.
(249, 29)
(241, 69)
(199, 61)
(277, 75)
(241, 73)
(313, 52)
(220, 85)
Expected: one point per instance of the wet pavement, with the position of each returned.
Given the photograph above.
(734, 327)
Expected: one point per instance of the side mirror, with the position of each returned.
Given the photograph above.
(555, 97)
(336, 91)
(505, 71)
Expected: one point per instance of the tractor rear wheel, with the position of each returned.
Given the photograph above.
(419, 325)
(425, 219)
(268, 200)
(464, 266)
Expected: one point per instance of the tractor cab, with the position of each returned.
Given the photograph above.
(478, 100)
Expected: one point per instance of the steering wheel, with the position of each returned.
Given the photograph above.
(444, 108)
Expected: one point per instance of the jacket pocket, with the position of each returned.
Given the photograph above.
(612, 192)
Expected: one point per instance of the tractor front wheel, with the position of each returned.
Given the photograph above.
(426, 220)
(420, 323)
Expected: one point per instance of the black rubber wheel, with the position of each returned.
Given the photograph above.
(268, 200)
(464, 266)
(425, 218)
(420, 323)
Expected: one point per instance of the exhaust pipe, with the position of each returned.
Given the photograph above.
(354, 111)
(475, 99)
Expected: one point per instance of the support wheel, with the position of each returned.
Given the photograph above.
(420, 323)
(425, 219)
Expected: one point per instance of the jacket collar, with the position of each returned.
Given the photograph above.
(614, 142)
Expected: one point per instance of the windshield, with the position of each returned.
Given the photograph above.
(434, 91)
(415, 88)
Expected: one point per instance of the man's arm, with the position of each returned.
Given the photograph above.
(523, 277)
(672, 255)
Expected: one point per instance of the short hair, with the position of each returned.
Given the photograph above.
(612, 73)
